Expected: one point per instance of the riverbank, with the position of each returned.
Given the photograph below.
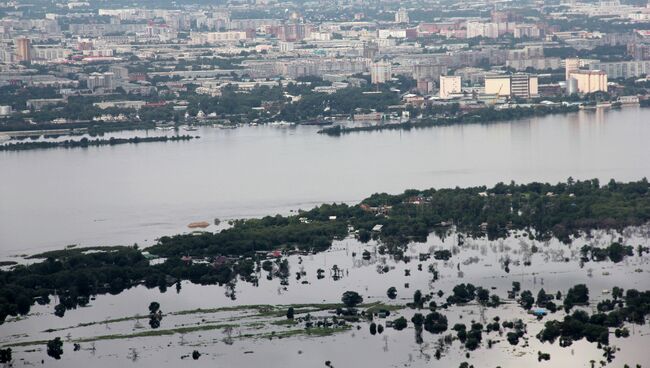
(486, 115)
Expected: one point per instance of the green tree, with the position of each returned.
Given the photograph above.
(55, 348)
(154, 307)
(400, 323)
(391, 292)
(351, 299)
(5, 355)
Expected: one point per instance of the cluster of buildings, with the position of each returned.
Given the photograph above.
(507, 55)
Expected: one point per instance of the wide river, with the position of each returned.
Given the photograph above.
(135, 193)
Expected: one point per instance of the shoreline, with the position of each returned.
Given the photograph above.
(471, 117)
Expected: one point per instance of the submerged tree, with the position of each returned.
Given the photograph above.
(55, 348)
(391, 292)
(351, 299)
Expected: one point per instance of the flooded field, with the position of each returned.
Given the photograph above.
(245, 325)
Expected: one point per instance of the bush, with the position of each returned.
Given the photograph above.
(400, 324)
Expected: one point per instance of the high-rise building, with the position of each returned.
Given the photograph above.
(589, 81)
(518, 85)
(526, 30)
(402, 16)
(479, 29)
(623, 69)
(23, 49)
(380, 72)
(570, 65)
(120, 72)
(429, 71)
(370, 50)
(523, 85)
(449, 84)
(638, 51)
(286, 46)
(101, 80)
(293, 32)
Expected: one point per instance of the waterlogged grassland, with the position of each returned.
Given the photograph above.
(259, 321)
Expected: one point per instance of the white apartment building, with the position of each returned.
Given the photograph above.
(449, 84)
(480, 29)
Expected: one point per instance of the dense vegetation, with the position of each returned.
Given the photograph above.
(542, 210)
(633, 308)
(615, 252)
(85, 142)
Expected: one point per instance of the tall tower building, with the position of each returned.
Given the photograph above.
(23, 49)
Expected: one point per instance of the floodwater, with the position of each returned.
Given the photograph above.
(134, 193)
(554, 267)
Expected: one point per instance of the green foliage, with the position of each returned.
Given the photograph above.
(249, 236)
(435, 323)
(577, 295)
(85, 142)
(594, 328)
(463, 293)
(373, 328)
(344, 101)
(55, 348)
(484, 115)
(77, 274)
(154, 307)
(5, 355)
(616, 252)
(417, 299)
(400, 323)
(443, 255)
(351, 299)
(543, 356)
(513, 338)
(527, 299)
(391, 292)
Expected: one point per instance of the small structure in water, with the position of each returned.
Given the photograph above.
(198, 224)
(539, 312)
